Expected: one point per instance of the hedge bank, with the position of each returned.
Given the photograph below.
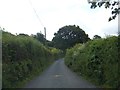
(97, 61)
(23, 57)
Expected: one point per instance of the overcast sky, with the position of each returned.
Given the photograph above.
(18, 16)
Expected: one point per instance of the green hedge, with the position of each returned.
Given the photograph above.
(23, 57)
(97, 61)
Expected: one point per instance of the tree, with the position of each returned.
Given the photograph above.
(49, 43)
(40, 37)
(96, 37)
(113, 4)
(23, 34)
(68, 36)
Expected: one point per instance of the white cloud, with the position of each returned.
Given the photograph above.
(17, 16)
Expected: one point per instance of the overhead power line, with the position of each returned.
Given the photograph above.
(38, 18)
(36, 13)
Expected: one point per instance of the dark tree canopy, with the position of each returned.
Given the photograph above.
(112, 4)
(96, 37)
(23, 34)
(40, 37)
(68, 36)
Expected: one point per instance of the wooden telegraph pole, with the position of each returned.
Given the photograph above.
(45, 35)
(45, 32)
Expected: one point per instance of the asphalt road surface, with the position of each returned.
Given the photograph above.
(59, 76)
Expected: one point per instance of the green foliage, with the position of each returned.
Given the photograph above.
(68, 36)
(23, 56)
(113, 4)
(97, 61)
(40, 37)
(96, 37)
(57, 53)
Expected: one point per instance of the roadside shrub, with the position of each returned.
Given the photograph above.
(23, 57)
(96, 60)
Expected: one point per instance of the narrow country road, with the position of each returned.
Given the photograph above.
(59, 76)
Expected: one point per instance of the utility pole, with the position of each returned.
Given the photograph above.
(45, 35)
(45, 32)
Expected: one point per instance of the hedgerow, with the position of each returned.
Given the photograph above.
(23, 57)
(97, 61)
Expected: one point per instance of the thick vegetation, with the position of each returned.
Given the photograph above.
(68, 36)
(97, 61)
(23, 57)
